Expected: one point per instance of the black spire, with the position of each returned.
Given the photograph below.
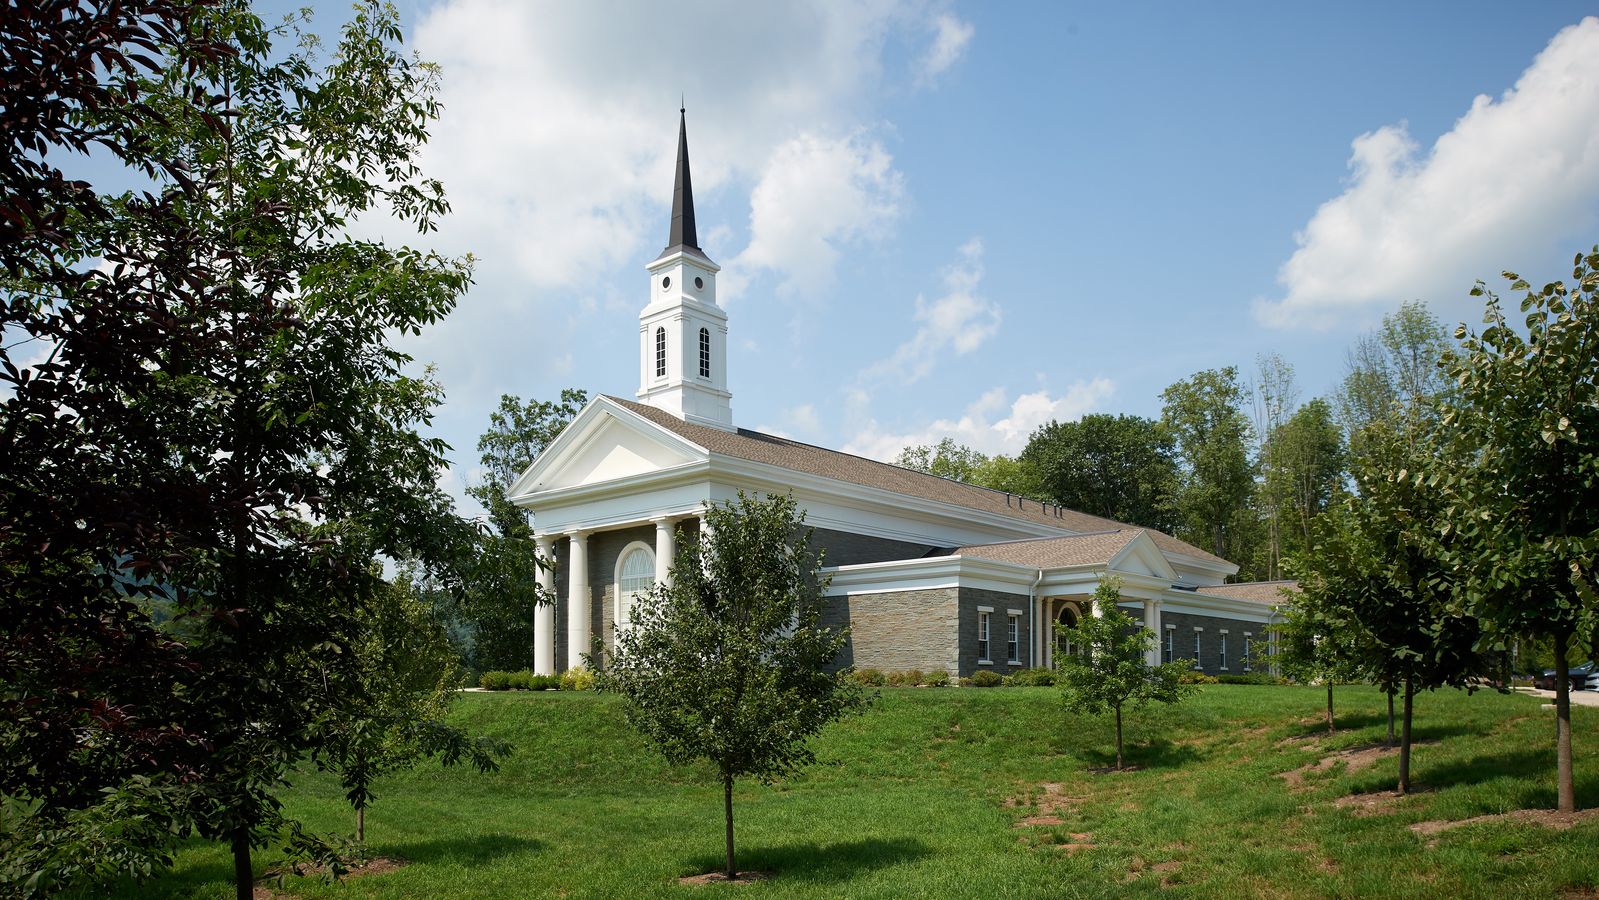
(683, 236)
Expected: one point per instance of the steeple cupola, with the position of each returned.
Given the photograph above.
(682, 332)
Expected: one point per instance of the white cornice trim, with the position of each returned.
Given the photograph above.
(577, 432)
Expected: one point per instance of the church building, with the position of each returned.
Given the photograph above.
(929, 573)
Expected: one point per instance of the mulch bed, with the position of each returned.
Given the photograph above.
(721, 878)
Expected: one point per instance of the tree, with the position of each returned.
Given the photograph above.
(223, 422)
(1393, 375)
(1275, 396)
(1204, 414)
(499, 593)
(728, 662)
(1315, 643)
(409, 674)
(1378, 576)
(1109, 670)
(1526, 510)
(1010, 474)
(1120, 467)
(947, 459)
(1306, 472)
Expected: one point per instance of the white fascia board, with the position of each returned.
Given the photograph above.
(1196, 604)
(885, 513)
(1144, 548)
(929, 574)
(576, 432)
(1206, 567)
(677, 491)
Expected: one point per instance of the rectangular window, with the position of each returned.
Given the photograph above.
(1248, 648)
(705, 353)
(982, 637)
(1224, 650)
(660, 352)
(1014, 639)
(1171, 643)
(1196, 646)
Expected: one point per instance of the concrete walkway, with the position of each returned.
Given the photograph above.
(1578, 698)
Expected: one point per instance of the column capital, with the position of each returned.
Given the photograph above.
(658, 521)
(544, 541)
(579, 534)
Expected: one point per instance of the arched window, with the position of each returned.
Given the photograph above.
(660, 352)
(1067, 617)
(635, 575)
(705, 353)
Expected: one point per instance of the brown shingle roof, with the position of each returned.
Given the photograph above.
(1253, 591)
(779, 451)
(1096, 548)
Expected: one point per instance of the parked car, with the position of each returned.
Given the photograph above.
(1593, 680)
(1581, 678)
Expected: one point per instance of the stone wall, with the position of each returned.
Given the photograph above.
(969, 660)
(1182, 625)
(846, 549)
(897, 630)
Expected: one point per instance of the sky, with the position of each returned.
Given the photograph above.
(957, 219)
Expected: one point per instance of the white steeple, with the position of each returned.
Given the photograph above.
(682, 332)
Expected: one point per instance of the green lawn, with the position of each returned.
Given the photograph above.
(910, 799)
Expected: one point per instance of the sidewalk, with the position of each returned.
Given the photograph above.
(1578, 698)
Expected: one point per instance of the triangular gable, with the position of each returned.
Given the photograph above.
(1142, 556)
(604, 442)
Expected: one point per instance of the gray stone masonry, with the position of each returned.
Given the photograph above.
(1210, 640)
(898, 630)
(998, 624)
(846, 549)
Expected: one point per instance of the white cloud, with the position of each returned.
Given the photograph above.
(816, 195)
(950, 37)
(1513, 178)
(957, 323)
(994, 423)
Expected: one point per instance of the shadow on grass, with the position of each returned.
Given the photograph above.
(822, 862)
(1156, 753)
(473, 850)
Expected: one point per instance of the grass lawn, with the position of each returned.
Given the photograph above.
(921, 796)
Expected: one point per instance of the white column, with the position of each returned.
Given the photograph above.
(1152, 622)
(1097, 609)
(665, 549)
(578, 613)
(544, 615)
(1049, 633)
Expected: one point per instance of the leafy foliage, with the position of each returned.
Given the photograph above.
(1526, 511)
(1119, 467)
(1204, 414)
(729, 662)
(1109, 671)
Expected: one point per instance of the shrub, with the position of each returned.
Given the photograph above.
(937, 678)
(1251, 678)
(1033, 678)
(520, 681)
(914, 677)
(897, 679)
(963, 681)
(986, 678)
(577, 678)
(545, 683)
(495, 681)
(1196, 677)
(870, 677)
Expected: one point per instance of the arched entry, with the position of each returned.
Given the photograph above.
(1066, 616)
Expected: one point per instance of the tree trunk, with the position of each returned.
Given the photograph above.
(1404, 742)
(1329, 707)
(360, 824)
(1118, 737)
(243, 874)
(727, 805)
(1390, 693)
(1565, 788)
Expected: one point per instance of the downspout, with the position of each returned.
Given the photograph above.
(1032, 622)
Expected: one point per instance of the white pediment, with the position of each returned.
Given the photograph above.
(605, 443)
(1142, 556)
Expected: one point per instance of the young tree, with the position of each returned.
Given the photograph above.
(408, 674)
(729, 661)
(1308, 468)
(1275, 398)
(1315, 643)
(1393, 376)
(1120, 467)
(1527, 509)
(1110, 671)
(1205, 415)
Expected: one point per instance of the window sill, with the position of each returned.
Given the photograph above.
(985, 662)
(1013, 662)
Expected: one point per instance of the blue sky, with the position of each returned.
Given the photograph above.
(966, 219)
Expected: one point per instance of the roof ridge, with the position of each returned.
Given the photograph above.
(1056, 537)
